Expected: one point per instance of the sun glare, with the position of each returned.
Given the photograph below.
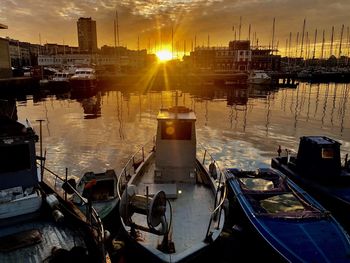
(164, 55)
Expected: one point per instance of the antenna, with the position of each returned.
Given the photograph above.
(41, 150)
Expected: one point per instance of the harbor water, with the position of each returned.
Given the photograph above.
(240, 126)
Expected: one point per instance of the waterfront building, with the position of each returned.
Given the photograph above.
(20, 53)
(263, 59)
(5, 62)
(242, 54)
(234, 58)
(87, 36)
(54, 49)
(127, 61)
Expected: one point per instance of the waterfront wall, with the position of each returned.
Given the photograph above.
(5, 62)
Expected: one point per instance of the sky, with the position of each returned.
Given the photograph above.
(150, 22)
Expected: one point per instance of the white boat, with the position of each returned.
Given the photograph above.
(171, 206)
(37, 225)
(61, 77)
(258, 77)
(60, 80)
(84, 78)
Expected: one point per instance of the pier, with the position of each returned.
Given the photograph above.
(18, 84)
(284, 79)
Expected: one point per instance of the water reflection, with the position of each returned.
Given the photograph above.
(241, 125)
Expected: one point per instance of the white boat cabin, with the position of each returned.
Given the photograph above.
(18, 171)
(175, 156)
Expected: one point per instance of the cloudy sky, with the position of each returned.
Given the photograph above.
(152, 20)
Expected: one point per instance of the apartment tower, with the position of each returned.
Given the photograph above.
(87, 37)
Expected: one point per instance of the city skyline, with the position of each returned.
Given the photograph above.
(147, 25)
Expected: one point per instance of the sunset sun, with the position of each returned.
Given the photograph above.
(164, 55)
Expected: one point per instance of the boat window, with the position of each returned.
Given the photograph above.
(257, 184)
(179, 130)
(14, 158)
(284, 203)
(327, 153)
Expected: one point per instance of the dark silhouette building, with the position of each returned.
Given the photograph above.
(87, 36)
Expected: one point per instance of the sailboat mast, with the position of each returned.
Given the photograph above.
(341, 39)
(314, 52)
(172, 43)
(302, 39)
(290, 41)
(273, 34)
(117, 19)
(115, 34)
(331, 49)
(240, 27)
(347, 44)
(297, 44)
(249, 33)
(184, 47)
(286, 48)
(323, 40)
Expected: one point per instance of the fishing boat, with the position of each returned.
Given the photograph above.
(101, 189)
(172, 204)
(37, 224)
(317, 167)
(295, 227)
(84, 78)
(258, 77)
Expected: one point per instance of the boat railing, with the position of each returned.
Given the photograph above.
(211, 165)
(132, 164)
(93, 218)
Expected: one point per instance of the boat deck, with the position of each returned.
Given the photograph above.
(191, 211)
(34, 240)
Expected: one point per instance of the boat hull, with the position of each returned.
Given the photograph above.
(302, 238)
(191, 246)
(83, 83)
(332, 195)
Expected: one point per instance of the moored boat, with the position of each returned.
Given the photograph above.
(60, 81)
(318, 169)
(37, 224)
(84, 78)
(259, 77)
(171, 204)
(293, 225)
(101, 190)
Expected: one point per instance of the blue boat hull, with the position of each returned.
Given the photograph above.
(315, 237)
(334, 195)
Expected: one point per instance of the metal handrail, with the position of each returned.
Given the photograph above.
(221, 182)
(96, 217)
(128, 164)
